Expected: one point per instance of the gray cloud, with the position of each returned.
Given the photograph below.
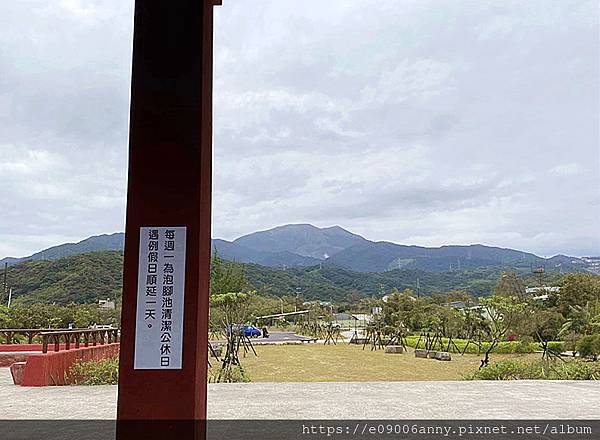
(421, 122)
(64, 98)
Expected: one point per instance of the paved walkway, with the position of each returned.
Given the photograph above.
(369, 400)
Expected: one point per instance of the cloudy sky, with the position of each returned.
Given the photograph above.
(419, 122)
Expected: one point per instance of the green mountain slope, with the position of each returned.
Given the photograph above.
(87, 278)
(384, 256)
(84, 278)
(336, 283)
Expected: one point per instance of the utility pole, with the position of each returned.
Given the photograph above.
(298, 290)
(5, 286)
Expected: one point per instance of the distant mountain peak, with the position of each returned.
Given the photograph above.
(302, 239)
(336, 228)
(303, 244)
(339, 230)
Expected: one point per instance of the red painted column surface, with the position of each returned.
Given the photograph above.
(170, 150)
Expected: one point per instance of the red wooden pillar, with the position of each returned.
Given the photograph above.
(163, 360)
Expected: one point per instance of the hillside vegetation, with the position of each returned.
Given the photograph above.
(86, 278)
(335, 283)
(81, 279)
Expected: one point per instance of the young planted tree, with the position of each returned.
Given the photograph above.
(502, 313)
(545, 327)
(475, 327)
(229, 310)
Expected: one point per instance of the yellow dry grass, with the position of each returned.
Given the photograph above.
(350, 363)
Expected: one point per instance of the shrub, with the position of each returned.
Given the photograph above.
(504, 347)
(556, 346)
(557, 370)
(576, 370)
(102, 372)
(589, 346)
(507, 370)
(229, 374)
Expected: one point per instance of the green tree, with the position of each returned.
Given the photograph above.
(57, 316)
(509, 284)
(581, 322)
(502, 314)
(226, 276)
(578, 289)
(461, 295)
(404, 309)
(5, 318)
(584, 320)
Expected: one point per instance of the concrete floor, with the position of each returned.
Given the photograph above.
(370, 400)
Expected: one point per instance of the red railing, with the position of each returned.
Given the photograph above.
(29, 333)
(77, 337)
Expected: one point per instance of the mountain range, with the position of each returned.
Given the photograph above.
(304, 245)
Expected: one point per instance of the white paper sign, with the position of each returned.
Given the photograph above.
(161, 291)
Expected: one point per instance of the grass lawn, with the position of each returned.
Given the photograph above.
(349, 363)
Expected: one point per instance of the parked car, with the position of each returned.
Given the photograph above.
(247, 330)
(251, 331)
